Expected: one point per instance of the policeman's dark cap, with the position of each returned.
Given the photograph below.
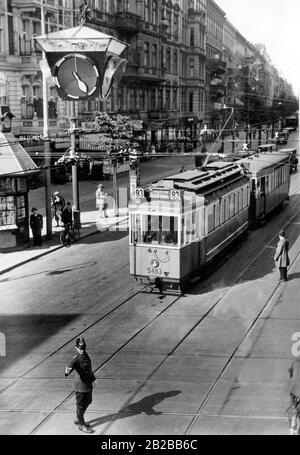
(282, 233)
(80, 343)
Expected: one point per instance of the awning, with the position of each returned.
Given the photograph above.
(14, 160)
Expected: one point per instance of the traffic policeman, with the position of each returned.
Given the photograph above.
(83, 383)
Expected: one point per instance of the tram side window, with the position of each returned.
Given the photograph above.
(201, 223)
(160, 230)
(272, 182)
(246, 197)
(226, 208)
(217, 214)
(211, 218)
(189, 229)
(231, 205)
(236, 208)
(136, 232)
(241, 199)
(222, 217)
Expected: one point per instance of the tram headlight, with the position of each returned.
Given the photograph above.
(155, 263)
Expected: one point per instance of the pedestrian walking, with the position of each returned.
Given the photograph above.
(101, 201)
(58, 204)
(36, 224)
(294, 390)
(281, 257)
(67, 217)
(83, 383)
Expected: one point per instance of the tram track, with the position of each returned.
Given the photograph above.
(203, 317)
(174, 300)
(145, 326)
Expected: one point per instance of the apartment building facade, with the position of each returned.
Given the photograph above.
(185, 61)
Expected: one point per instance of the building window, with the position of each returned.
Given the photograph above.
(192, 36)
(168, 60)
(175, 99)
(2, 44)
(192, 68)
(152, 99)
(168, 99)
(160, 99)
(142, 100)
(154, 13)
(154, 56)
(175, 62)
(146, 55)
(162, 58)
(191, 102)
(176, 26)
(169, 20)
(147, 10)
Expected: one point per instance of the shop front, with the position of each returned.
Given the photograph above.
(14, 216)
(16, 166)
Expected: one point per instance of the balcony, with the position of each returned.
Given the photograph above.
(101, 18)
(127, 22)
(157, 114)
(28, 48)
(150, 75)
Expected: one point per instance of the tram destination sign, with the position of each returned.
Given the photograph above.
(166, 195)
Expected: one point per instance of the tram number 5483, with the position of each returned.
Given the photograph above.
(153, 271)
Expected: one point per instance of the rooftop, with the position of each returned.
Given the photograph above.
(13, 157)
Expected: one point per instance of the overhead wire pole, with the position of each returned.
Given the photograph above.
(75, 184)
(47, 155)
(220, 134)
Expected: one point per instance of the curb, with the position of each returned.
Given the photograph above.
(56, 248)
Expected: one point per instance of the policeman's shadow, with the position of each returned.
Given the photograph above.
(293, 276)
(145, 405)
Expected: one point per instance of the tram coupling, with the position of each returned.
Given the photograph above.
(158, 286)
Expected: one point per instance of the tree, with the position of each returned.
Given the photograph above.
(117, 126)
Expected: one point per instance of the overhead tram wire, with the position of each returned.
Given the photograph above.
(160, 155)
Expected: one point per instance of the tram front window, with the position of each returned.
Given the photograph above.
(161, 230)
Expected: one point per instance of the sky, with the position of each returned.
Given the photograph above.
(275, 23)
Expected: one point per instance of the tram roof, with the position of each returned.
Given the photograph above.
(197, 180)
(263, 161)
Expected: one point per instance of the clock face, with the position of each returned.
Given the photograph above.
(76, 76)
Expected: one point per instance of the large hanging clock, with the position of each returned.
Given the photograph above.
(76, 77)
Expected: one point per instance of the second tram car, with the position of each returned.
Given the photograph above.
(182, 223)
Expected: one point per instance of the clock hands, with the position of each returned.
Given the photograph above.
(81, 85)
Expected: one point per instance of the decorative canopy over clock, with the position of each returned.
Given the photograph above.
(84, 62)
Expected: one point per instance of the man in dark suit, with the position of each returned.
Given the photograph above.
(67, 216)
(36, 224)
(282, 260)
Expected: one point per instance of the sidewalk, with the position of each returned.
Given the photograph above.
(90, 224)
(12, 258)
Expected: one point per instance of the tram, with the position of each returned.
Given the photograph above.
(185, 222)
